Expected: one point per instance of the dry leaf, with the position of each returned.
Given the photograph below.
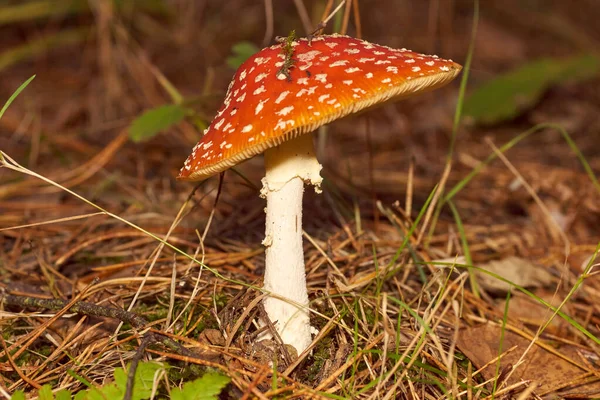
(552, 373)
(517, 270)
(530, 311)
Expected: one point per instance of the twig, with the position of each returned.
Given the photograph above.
(133, 367)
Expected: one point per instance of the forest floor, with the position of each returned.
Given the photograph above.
(429, 279)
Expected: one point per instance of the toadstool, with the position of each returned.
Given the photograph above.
(276, 98)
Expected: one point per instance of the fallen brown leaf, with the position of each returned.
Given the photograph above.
(564, 373)
(516, 270)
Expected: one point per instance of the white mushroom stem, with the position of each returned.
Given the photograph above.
(288, 167)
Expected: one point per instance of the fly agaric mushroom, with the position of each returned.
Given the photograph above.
(275, 99)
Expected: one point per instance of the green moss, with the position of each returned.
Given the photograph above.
(321, 354)
(288, 52)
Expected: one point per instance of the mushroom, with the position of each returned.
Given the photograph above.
(275, 99)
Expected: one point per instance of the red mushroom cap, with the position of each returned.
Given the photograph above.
(330, 77)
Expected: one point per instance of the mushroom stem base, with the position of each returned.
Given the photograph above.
(288, 167)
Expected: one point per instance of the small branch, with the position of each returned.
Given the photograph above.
(133, 367)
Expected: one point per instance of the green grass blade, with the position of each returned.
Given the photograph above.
(15, 94)
(465, 247)
(465, 78)
(586, 166)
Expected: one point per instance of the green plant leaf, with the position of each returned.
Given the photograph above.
(241, 51)
(206, 387)
(18, 395)
(142, 386)
(151, 122)
(80, 395)
(143, 382)
(509, 95)
(45, 393)
(63, 395)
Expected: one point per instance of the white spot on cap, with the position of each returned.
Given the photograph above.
(365, 59)
(207, 145)
(261, 60)
(444, 68)
(321, 77)
(409, 60)
(260, 106)
(251, 139)
(302, 81)
(309, 91)
(219, 123)
(416, 69)
(379, 53)
(282, 96)
(328, 86)
(331, 45)
(430, 63)
(351, 70)
(247, 128)
(282, 124)
(233, 112)
(241, 98)
(383, 62)
(260, 90)
(281, 76)
(338, 63)
(308, 56)
(347, 82)
(352, 51)
(323, 97)
(369, 75)
(285, 110)
(392, 69)
(242, 75)
(228, 146)
(260, 77)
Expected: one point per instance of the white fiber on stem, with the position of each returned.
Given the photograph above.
(288, 167)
